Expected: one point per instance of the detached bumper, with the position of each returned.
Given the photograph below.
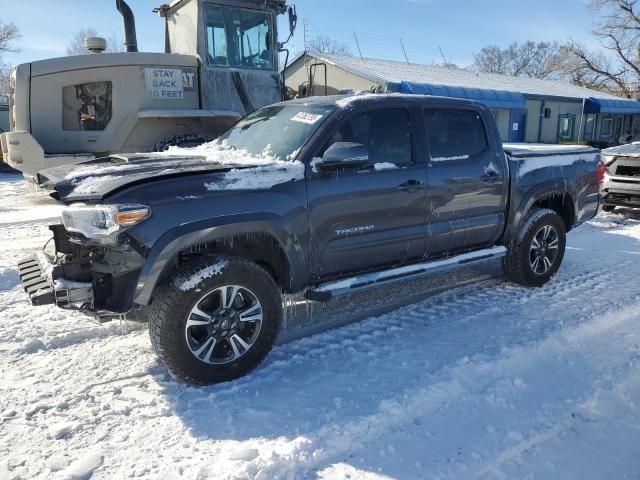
(42, 281)
(36, 282)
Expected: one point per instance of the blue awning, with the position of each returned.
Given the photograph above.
(602, 105)
(502, 99)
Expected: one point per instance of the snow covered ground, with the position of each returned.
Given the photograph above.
(486, 380)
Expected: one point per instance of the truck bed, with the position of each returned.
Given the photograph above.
(524, 150)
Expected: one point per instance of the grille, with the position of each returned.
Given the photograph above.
(628, 171)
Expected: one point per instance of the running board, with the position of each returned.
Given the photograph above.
(327, 291)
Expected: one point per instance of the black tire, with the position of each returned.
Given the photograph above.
(190, 288)
(518, 265)
(608, 208)
(186, 140)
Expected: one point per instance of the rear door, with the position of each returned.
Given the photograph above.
(367, 217)
(467, 181)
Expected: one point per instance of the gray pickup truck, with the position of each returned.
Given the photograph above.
(325, 196)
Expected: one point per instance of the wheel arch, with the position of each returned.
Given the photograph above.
(264, 241)
(554, 196)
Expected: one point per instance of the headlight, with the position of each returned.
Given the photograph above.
(99, 221)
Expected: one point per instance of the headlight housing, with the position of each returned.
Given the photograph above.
(100, 221)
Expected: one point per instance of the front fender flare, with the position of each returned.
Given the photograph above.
(184, 236)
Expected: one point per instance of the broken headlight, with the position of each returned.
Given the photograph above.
(100, 221)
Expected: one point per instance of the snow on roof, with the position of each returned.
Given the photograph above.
(388, 71)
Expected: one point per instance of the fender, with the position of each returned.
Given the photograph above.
(523, 202)
(186, 235)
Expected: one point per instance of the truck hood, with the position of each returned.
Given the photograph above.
(628, 150)
(96, 179)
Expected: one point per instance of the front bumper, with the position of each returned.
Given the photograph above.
(95, 280)
(35, 281)
(21, 151)
(43, 283)
(621, 192)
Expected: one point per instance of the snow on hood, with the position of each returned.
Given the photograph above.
(247, 171)
(267, 172)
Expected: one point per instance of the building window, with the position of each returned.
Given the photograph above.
(239, 38)
(635, 128)
(566, 124)
(606, 127)
(86, 106)
(589, 127)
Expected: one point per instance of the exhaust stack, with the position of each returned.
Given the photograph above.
(130, 40)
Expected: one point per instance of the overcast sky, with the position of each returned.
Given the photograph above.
(458, 27)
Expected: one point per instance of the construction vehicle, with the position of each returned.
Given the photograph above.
(220, 63)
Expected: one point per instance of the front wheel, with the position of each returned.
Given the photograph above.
(536, 253)
(216, 320)
(608, 208)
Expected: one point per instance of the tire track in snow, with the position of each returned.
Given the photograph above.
(462, 299)
(331, 442)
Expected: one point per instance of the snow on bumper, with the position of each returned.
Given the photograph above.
(45, 287)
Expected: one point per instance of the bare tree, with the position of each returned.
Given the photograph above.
(529, 59)
(8, 35)
(325, 44)
(618, 30)
(76, 44)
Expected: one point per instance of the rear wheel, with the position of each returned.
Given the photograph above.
(536, 253)
(215, 321)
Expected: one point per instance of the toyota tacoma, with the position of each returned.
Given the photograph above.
(322, 196)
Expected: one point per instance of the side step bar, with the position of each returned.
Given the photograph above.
(327, 291)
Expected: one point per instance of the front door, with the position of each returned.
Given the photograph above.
(367, 217)
(467, 181)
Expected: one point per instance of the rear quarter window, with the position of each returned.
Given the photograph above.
(454, 134)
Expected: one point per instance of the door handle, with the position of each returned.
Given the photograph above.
(411, 186)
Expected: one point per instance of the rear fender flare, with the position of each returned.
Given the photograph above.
(556, 187)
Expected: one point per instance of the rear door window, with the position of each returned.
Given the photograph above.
(454, 134)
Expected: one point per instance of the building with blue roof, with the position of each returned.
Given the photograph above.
(526, 109)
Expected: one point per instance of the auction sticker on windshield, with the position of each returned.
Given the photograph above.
(306, 117)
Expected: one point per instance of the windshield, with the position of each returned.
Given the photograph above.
(278, 130)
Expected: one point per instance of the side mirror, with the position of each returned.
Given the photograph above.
(293, 19)
(343, 155)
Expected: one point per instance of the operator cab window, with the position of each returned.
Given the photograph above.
(239, 38)
(384, 133)
(454, 134)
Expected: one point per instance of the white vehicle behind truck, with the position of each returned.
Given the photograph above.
(220, 63)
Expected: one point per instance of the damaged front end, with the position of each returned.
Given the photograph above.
(96, 276)
(64, 278)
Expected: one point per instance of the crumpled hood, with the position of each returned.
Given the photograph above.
(628, 150)
(94, 180)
